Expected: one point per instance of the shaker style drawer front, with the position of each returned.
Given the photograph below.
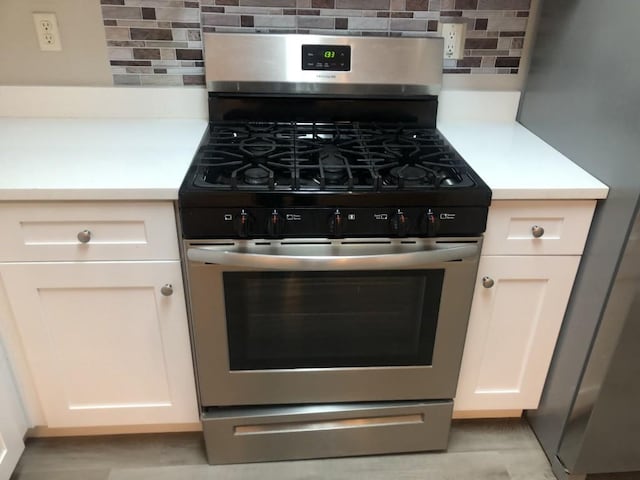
(88, 231)
(538, 228)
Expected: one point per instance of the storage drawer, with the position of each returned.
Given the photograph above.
(540, 227)
(76, 231)
(335, 430)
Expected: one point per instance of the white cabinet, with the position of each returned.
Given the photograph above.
(522, 290)
(12, 426)
(105, 344)
(512, 331)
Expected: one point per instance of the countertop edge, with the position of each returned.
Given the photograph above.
(89, 194)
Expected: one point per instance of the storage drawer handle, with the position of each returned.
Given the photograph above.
(487, 282)
(84, 236)
(337, 424)
(537, 231)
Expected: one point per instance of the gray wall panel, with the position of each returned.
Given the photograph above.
(582, 97)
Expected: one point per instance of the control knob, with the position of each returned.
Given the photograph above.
(243, 224)
(429, 224)
(336, 224)
(400, 223)
(275, 224)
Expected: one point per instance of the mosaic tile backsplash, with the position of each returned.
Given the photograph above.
(159, 42)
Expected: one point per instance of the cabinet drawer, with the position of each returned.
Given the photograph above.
(538, 227)
(78, 231)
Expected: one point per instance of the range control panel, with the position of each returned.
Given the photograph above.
(260, 222)
(336, 58)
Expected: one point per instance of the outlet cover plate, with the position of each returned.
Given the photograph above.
(454, 34)
(47, 32)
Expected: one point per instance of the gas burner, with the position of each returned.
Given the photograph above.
(333, 164)
(256, 176)
(407, 175)
(401, 148)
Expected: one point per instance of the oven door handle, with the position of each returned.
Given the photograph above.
(259, 261)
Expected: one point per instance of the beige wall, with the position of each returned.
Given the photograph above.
(83, 59)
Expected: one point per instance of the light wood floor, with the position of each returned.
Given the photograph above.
(478, 450)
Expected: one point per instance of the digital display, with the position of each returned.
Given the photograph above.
(326, 57)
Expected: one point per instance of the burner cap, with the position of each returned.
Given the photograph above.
(256, 176)
(333, 164)
(410, 175)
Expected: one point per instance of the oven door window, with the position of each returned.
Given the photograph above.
(285, 320)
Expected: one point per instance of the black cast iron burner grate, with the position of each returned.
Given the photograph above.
(341, 156)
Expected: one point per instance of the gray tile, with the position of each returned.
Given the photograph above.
(363, 4)
(495, 434)
(504, 4)
(77, 453)
(408, 24)
(527, 464)
(91, 474)
(121, 12)
(426, 466)
(478, 450)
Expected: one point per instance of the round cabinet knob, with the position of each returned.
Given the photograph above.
(400, 223)
(275, 224)
(84, 236)
(336, 224)
(487, 282)
(537, 231)
(167, 290)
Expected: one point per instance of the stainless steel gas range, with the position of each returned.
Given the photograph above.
(331, 237)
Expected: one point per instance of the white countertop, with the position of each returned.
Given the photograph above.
(145, 154)
(517, 165)
(95, 159)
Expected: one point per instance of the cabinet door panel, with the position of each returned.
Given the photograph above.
(512, 331)
(11, 444)
(104, 346)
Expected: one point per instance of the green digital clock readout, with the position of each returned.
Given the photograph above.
(333, 58)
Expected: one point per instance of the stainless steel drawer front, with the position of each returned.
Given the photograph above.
(287, 433)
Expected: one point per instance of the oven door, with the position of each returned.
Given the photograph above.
(281, 322)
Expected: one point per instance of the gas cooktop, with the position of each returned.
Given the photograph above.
(252, 163)
(339, 156)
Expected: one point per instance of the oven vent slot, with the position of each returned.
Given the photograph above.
(370, 242)
(288, 427)
(212, 244)
(305, 243)
(457, 241)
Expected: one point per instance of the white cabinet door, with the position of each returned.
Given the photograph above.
(512, 331)
(104, 346)
(11, 444)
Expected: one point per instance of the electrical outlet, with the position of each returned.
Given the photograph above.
(47, 31)
(454, 34)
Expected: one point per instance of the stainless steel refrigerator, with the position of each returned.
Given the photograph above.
(583, 97)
